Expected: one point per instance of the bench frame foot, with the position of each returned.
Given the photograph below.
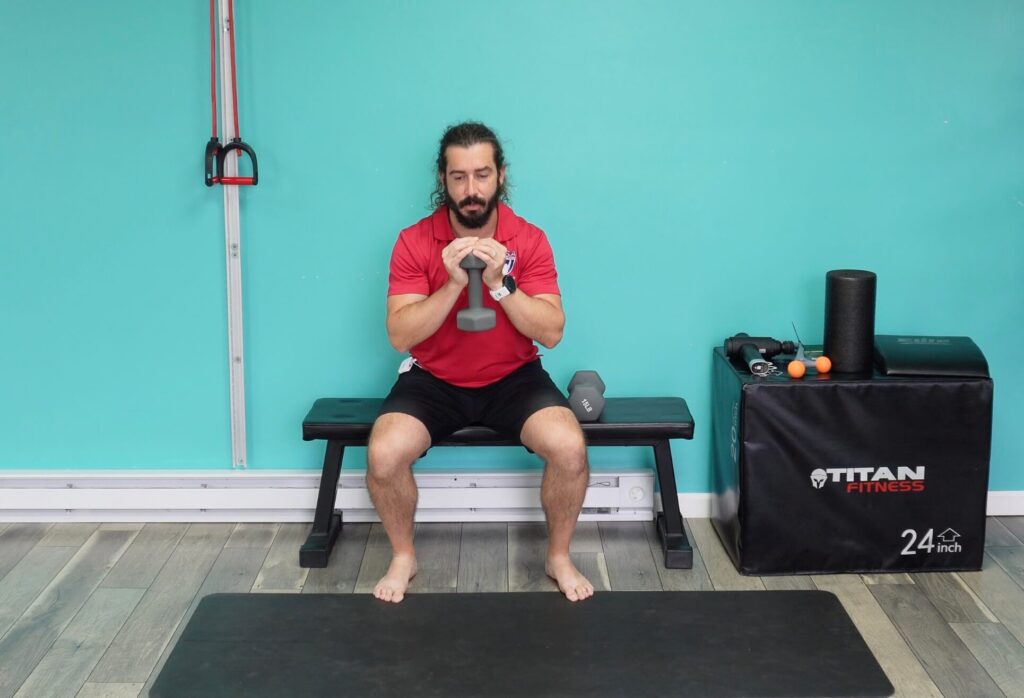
(316, 551)
(677, 549)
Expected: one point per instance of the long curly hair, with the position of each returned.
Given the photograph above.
(464, 135)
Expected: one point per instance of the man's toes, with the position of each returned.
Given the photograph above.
(397, 596)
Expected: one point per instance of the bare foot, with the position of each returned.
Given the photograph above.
(573, 584)
(392, 585)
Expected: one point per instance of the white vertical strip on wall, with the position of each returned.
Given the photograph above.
(233, 242)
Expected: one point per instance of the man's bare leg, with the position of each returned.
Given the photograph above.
(396, 441)
(554, 434)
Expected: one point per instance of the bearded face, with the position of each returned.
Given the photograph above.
(472, 184)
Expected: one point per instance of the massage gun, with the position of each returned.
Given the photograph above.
(755, 351)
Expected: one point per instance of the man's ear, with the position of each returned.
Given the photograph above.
(501, 176)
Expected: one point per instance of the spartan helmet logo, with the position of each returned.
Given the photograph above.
(818, 477)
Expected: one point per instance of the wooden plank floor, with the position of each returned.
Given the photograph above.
(93, 610)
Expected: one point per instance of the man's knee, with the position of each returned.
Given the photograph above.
(384, 460)
(554, 434)
(396, 441)
(569, 455)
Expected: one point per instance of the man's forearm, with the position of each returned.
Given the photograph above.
(411, 324)
(535, 317)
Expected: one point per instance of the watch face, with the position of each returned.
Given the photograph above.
(509, 283)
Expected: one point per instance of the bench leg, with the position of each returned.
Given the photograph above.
(678, 553)
(326, 523)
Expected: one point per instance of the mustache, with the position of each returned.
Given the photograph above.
(472, 200)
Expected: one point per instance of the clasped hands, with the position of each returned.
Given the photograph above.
(489, 250)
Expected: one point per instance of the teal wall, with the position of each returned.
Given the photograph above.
(697, 166)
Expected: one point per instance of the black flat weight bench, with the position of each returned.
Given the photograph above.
(625, 421)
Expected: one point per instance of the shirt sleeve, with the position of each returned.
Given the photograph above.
(537, 274)
(408, 271)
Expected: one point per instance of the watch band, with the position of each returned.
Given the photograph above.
(500, 292)
(508, 287)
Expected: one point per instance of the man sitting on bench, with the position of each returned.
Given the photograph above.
(455, 378)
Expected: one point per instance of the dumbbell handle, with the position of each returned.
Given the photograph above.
(475, 317)
(474, 267)
(476, 296)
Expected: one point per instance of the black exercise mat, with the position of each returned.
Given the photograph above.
(631, 644)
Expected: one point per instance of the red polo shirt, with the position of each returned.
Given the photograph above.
(472, 359)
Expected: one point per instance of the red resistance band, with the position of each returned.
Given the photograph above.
(215, 152)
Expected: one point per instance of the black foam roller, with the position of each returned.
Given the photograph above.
(850, 319)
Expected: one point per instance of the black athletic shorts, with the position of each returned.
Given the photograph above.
(504, 405)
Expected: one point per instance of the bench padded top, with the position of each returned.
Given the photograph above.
(624, 419)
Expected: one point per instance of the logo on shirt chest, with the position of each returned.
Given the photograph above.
(510, 262)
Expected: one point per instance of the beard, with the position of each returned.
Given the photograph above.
(473, 221)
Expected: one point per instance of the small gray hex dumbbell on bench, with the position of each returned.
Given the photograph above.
(586, 395)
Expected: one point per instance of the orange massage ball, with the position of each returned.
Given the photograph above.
(796, 369)
(823, 364)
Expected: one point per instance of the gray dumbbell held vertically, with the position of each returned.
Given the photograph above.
(475, 318)
(586, 395)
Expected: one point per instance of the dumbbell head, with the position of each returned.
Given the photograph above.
(586, 395)
(587, 377)
(471, 261)
(476, 319)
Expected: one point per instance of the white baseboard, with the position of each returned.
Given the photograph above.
(696, 505)
(1006, 503)
(249, 495)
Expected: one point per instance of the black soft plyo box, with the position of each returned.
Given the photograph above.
(850, 473)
